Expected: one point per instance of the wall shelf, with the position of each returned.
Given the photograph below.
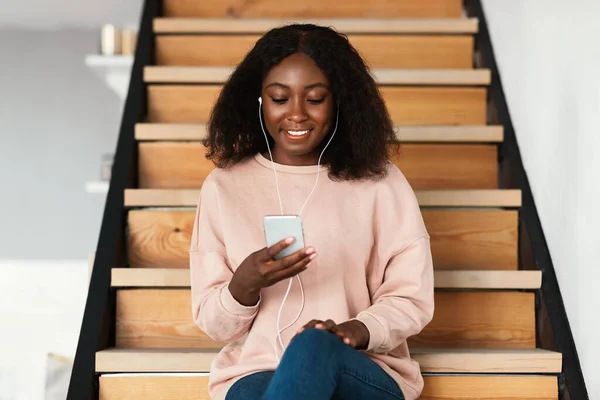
(97, 187)
(114, 70)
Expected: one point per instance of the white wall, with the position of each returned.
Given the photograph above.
(549, 60)
(68, 14)
(57, 118)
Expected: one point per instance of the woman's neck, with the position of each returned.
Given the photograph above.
(284, 158)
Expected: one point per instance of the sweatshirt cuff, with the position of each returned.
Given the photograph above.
(232, 306)
(377, 332)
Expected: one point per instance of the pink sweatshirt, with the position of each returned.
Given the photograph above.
(374, 264)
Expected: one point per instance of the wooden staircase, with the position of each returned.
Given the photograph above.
(483, 342)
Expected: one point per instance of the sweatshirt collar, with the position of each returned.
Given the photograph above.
(294, 169)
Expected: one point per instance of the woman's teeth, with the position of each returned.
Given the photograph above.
(298, 133)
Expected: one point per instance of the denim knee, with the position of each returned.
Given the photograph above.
(314, 341)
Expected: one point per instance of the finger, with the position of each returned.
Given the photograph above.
(350, 341)
(328, 325)
(300, 266)
(293, 259)
(268, 253)
(309, 325)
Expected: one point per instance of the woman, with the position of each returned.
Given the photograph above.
(366, 274)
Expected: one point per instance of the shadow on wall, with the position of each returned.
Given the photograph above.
(57, 118)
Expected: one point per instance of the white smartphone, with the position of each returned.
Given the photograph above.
(279, 227)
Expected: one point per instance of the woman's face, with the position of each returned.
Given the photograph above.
(298, 109)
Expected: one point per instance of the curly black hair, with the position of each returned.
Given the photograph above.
(359, 149)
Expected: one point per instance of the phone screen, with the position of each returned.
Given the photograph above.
(279, 227)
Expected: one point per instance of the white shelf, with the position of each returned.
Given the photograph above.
(97, 187)
(98, 60)
(114, 70)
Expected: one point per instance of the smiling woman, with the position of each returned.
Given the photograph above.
(304, 75)
(365, 278)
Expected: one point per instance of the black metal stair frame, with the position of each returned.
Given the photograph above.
(97, 328)
(552, 321)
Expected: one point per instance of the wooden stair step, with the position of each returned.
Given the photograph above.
(456, 387)
(313, 8)
(169, 277)
(427, 198)
(456, 361)
(183, 165)
(407, 105)
(406, 134)
(388, 76)
(461, 239)
(345, 25)
(162, 318)
(420, 51)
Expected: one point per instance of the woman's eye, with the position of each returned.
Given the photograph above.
(278, 101)
(317, 101)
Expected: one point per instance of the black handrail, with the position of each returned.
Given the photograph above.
(574, 383)
(97, 327)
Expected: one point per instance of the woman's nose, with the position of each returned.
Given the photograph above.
(297, 112)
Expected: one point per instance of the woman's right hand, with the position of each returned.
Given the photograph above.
(260, 270)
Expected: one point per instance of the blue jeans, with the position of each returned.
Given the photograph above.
(317, 365)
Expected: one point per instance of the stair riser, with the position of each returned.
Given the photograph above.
(314, 9)
(460, 239)
(436, 388)
(379, 51)
(180, 165)
(162, 318)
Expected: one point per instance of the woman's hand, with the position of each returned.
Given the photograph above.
(354, 333)
(260, 270)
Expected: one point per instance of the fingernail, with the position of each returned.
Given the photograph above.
(312, 257)
(319, 326)
(310, 250)
(289, 240)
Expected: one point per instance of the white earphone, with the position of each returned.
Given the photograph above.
(279, 331)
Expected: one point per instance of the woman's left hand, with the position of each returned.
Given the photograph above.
(354, 333)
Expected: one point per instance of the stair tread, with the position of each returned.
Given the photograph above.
(426, 198)
(345, 25)
(431, 360)
(383, 76)
(464, 133)
(179, 277)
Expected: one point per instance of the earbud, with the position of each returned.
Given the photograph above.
(260, 100)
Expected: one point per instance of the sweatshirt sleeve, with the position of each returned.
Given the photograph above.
(214, 309)
(401, 277)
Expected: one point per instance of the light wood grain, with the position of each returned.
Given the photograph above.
(480, 320)
(378, 51)
(153, 388)
(496, 361)
(490, 388)
(313, 8)
(180, 278)
(406, 105)
(457, 387)
(158, 318)
(172, 165)
(344, 25)
(406, 134)
(159, 238)
(426, 198)
(161, 318)
(473, 239)
(440, 77)
(460, 239)
(504, 361)
(178, 165)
